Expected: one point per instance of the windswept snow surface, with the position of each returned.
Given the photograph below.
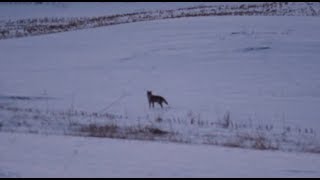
(27, 155)
(24, 10)
(264, 69)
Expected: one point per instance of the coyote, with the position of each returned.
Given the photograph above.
(152, 99)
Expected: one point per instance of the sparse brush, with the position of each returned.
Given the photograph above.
(223, 132)
(114, 131)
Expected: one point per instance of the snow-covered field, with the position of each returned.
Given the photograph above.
(260, 75)
(26, 155)
(85, 9)
(55, 23)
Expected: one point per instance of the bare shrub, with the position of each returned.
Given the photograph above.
(234, 143)
(114, 131)
(226, 121)
(155, 131)
(258, 141)
(99, 131)
(159, 119)
(313, 149)
(261, 142)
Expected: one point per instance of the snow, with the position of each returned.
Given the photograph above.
(82, 9)
(198, 64)
(45, 25)
(27, 155)
(263, 70)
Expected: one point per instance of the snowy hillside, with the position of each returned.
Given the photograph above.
(10, 28)
(22, 10)
(249, 81)
(33, 156)
(221, 76)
